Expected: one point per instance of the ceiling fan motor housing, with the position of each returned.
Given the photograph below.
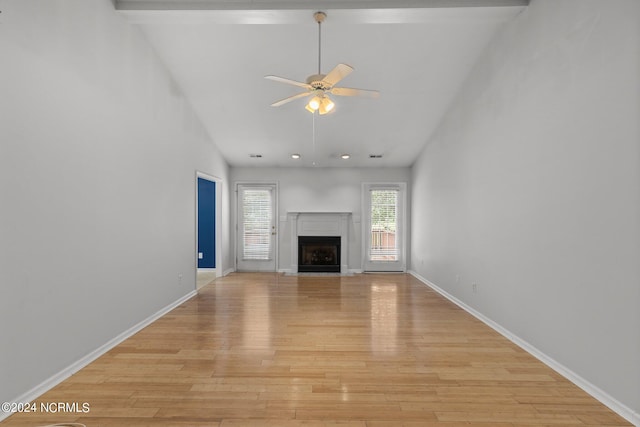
(316, 82)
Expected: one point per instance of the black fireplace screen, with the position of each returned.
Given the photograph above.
(318, 254)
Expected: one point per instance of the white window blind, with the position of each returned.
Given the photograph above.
(256, 223)
(384, 224)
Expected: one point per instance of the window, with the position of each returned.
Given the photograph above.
(257, 223)
(384, 225)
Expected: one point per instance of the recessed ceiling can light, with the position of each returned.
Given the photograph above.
(345, 156)
(295, 156)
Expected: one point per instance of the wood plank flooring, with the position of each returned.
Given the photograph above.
(361, 351)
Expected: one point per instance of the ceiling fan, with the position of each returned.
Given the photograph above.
(319, 86)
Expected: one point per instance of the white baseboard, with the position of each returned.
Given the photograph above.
(606, 399)
(355, 271)
(228, 271)
(284, 270)
(207, 270)
(56, 379)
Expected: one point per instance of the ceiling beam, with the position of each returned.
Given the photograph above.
(193, 5)
(265, 12)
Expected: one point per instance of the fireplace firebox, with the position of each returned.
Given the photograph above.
(319, 254)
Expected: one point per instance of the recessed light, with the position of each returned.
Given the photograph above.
(295, 156)
(345, 156)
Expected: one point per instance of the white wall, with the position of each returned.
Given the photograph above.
(98, 158)
(531, 188)
(320, 190)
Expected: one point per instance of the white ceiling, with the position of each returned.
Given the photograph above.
(417, 57)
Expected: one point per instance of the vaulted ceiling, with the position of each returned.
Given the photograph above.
(417, 53)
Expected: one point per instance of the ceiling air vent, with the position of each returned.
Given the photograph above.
(375, 156)
(255, 156)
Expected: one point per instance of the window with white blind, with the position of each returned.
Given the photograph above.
(257, 220)
(384, 225)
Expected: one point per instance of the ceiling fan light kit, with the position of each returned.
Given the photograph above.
(321, 103)
(326, 104)
(319, 86)
(314, 104)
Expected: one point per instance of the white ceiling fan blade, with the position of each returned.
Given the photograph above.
(347, 91)
(338, 73)
(288, 81)
(289, 99)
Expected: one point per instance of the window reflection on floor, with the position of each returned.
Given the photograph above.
(384, 317)
(257, 319)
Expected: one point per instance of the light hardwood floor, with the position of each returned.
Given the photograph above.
(366, 350)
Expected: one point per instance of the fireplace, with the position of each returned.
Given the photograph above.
(334, 225)
(319, 254)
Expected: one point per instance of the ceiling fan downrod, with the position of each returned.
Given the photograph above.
(319, 17)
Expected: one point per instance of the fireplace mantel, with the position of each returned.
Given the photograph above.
(320, 224)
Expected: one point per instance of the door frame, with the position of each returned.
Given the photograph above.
(402, 223)
(276, 220)
(218, 223)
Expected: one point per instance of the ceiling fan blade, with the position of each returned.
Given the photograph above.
(288, 81)
(289, 99)
(338, 73)
(347, 91)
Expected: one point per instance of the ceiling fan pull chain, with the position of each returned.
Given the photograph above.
(313, 136)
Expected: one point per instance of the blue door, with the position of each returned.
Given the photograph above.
(206, 223)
